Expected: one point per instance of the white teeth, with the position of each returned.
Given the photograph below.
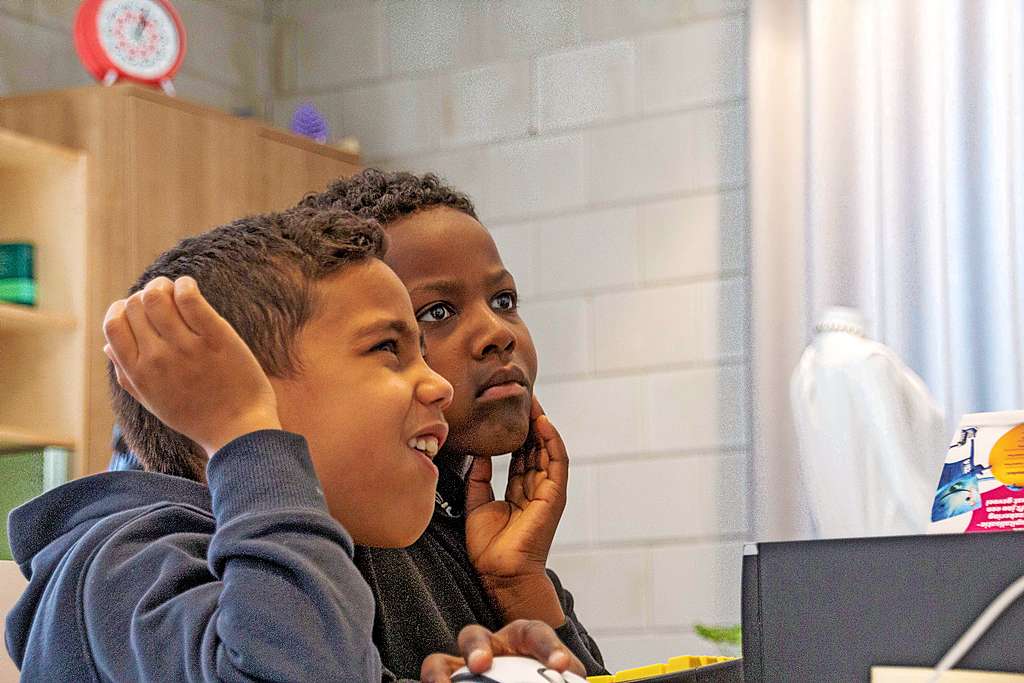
(427, 444)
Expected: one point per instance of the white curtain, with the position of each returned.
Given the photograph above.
(886, 174)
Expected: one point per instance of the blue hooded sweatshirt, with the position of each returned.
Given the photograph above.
(137, 576)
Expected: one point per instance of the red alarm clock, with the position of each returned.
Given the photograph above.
(133, 40)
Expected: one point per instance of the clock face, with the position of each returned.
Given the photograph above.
(139, 36)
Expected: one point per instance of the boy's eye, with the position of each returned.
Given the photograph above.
(389, 346)
(506, 301)
(435, 313)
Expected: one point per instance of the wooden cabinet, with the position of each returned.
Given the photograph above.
(159, 169)
(42, 348)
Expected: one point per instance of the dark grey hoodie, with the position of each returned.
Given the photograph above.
(136, 576)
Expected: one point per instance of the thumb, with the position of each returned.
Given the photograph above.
(478, 484)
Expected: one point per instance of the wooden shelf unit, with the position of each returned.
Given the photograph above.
(42, 348)
(17, 318)
(159, 169)
(12, 438)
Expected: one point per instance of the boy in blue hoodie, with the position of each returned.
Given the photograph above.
(297, 374)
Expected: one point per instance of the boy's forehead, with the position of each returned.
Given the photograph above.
(361, 295)
(440, 243)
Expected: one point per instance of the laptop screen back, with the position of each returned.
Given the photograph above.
(829, 610)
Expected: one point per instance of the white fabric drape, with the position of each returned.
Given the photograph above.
(887, 169)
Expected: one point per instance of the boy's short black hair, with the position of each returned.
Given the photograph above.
(388, 196)
(257, 272)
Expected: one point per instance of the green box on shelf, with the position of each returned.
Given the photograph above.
(17, 273)
(25, 475)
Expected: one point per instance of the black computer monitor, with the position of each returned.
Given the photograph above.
(829, 610)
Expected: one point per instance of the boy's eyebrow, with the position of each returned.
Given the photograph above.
(442, 286)
(399, 327)
(450, 286)
(498, 276)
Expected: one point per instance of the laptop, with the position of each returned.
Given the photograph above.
(829, 610)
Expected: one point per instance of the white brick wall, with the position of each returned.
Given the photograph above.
(393, 116)
(487, 103)
(585, 85)
(604, 142)
(693, 64)
(227, 65)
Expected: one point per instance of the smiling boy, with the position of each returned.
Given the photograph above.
(294, 386)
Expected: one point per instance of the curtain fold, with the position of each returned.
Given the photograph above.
(887, 171)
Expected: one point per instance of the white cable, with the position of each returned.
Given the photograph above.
(978, 628)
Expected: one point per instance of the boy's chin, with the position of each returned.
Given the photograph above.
(495, 439)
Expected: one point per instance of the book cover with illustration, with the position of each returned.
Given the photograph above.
(981, 487)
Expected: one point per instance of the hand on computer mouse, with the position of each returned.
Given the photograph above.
(481, 649)
(516, 670)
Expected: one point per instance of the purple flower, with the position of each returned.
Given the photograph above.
(309, 122)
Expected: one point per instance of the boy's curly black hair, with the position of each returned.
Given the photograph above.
(258, 273)
(388, 196)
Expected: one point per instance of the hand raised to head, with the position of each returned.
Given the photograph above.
(186, 365)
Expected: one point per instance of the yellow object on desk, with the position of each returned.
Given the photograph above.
(639, 673)
(684, 663)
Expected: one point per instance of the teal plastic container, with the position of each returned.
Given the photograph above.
(17, 273)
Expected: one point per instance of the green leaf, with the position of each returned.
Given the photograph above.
(719, 634)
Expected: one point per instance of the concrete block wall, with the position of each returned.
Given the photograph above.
(227, 63)
(604, 144)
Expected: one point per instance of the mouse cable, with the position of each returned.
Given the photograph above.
(1009, 595)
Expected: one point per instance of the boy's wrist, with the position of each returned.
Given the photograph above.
(262, 471)
(247, 424)
(526, 597)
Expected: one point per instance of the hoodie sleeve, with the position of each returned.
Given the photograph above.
(274, 596)
(574, 636)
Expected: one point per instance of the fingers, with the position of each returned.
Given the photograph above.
(119, 335)
(162, 312)
(558, 458)
(438, 668)
(515, 491)
(122, 377)
(535, 408)
(146, 336)
(195, 310)
(477, 648)
(478, 484)
(538, 640)
(532, 481)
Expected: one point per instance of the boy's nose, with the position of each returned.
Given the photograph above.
(495, 336)
(435, 389)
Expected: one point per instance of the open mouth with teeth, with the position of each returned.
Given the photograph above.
(428, 445)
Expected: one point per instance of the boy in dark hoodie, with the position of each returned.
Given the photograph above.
(481, 560)
(295, 388)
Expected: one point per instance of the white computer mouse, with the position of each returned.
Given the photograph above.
(516, 670)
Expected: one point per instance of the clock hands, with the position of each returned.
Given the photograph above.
(141, 26)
